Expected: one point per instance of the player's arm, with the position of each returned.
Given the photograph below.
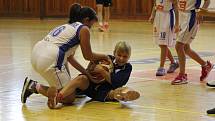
(175, 5)
(86, 47)
(121, 78)
(204, 12)
(206, 4)
(79, 67)
(76, 64)
(99, 69)
(151, 18)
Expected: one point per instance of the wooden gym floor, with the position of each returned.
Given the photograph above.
(159, 101)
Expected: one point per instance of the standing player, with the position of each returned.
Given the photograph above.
(188, 22)
(100, 4)
(50, 55)
(165, 28)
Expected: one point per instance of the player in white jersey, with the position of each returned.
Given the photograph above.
(188, 22)
(51, 55)
(165, 27)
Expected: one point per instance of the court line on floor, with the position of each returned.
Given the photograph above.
(156, 108)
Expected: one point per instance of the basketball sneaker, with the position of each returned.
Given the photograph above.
(125, 94)
(28, 89)
(211, 111)
(211, 84)
(106, 26)
(161, 71)
(180, 79)
(206, 70)
(173, 67)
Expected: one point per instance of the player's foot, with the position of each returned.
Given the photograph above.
(102, 28)
(206, 70)
(29, 87)
(52, 97)
(125, 94)
(173, 67)
(180, 79)
(106, 26)
(161, 71)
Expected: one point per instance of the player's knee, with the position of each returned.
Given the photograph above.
(83, 82)
(163, 46)
(187, 49)
(83, 77)
(179, 47)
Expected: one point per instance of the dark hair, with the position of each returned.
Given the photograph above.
(78, 13)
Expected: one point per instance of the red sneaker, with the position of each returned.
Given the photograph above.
(102, 28)
(180, 79)
(106, 26)
(206, 70)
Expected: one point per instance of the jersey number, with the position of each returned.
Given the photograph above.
(58, 31)
(163, 35)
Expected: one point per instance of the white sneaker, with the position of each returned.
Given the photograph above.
(211, 84)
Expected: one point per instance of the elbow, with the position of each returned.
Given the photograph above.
(89, 58)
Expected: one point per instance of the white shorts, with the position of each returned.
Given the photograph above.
(163, 33)
(186, 36)
(44, 57)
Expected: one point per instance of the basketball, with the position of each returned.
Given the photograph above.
(106, 65)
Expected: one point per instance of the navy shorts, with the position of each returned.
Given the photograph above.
(105, 3)
(95, 91)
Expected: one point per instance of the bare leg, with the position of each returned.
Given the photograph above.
(169, 55)
(181, 56)
(163, 55)
(67, 94)
(106, 14)
(99, 13)
(41, 89)
(69, 99)
(80, 82)
(191, 53)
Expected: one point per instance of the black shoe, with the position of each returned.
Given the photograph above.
(211, 111)
(27, 89)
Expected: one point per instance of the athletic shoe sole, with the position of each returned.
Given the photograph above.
(127, 96)
(210, 85)
(25, 85)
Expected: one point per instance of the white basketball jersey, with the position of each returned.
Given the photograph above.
(164, 5)
(187, 5)
(66, 38)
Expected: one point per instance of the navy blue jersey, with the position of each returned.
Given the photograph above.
(119, 77)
